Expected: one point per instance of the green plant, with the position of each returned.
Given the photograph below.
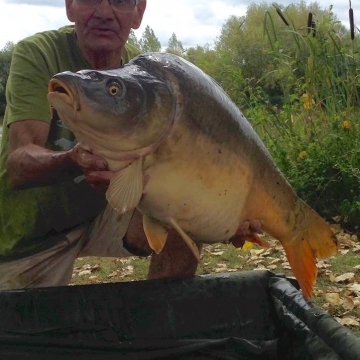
(313, 134)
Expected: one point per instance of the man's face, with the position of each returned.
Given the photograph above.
(103, 28)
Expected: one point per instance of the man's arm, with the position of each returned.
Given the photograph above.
(30, 164)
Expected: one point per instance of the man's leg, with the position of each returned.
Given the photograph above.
(115, 235)
(176, 259)
(51, 267)
(122, 235)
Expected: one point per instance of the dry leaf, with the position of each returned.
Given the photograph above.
(333, 289)
(348, 321)
(84, 272)
(348, 303)
(128, 270)
(221, 265)
(333, 298)
(217, 253)
(113, 274)
(220, 268)
(321, 264)
(344, 277)
(355, 287)
(255, 252)
(318, 292)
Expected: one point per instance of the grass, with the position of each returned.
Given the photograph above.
(218, 258)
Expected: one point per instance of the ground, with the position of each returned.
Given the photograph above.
(337, 289)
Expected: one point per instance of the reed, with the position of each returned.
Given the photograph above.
(314, 134)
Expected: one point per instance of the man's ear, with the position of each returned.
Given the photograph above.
(69, 10)
(139, 14)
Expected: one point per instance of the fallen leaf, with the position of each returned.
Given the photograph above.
(318, 292)
(348, 321)
(355, 287)
(84, 272)
(321, 264)
(113, 274)
(255, 252)
(217, 253)
(333, 299)
(128, 270)
(344, 277)
(220, 268)
(348, 303)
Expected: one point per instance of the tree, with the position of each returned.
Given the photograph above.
(5, 61)
(175, 46)
(148, 41)
(133, 40)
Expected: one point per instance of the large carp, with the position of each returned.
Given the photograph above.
(187, 158)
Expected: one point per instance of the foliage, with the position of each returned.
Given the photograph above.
(5, 60)
(132, 39)
(314, 135)
(148, 41)
(175, 46)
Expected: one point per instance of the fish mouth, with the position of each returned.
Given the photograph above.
(59, 89)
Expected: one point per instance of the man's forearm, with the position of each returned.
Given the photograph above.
(33, 165)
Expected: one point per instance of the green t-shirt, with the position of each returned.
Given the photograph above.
(28, 217)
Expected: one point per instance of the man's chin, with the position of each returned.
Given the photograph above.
(104, 42)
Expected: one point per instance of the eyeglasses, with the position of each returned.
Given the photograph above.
(118, 5)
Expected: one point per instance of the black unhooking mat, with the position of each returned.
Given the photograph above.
(243, 315)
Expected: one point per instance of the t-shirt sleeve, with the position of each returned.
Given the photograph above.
(27, 86)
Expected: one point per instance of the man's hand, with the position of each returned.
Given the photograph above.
(248, 231)
(94, 167)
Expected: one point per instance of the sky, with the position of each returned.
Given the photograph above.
(194, 22)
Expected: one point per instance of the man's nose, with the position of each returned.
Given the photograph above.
(104, 9)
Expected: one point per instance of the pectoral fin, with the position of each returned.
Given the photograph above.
(126, 187)
(155, 233)
(190, 243)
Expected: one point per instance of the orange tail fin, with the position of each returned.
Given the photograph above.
(311, 238)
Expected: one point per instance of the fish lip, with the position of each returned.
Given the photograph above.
(63, 91)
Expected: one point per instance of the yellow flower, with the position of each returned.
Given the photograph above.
(346, 124)
(247, 246)
(302, 155)
(307, 100)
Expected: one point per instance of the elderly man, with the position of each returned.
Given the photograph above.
(49, 215)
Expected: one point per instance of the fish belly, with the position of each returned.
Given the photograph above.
(206, 201)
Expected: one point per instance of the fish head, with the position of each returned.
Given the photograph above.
(115, 111)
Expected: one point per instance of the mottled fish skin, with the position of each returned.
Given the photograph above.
(206, 169)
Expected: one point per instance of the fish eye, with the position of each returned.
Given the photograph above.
(114, 89)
